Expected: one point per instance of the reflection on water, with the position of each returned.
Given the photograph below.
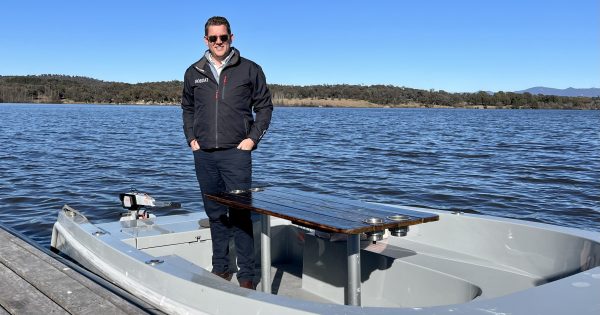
(538, 165)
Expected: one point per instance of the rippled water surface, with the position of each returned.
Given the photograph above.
(539, 165)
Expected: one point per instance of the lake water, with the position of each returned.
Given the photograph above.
(539, 165)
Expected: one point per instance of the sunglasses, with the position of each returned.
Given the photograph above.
(213, 38)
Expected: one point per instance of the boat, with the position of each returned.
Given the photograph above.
(462, 263)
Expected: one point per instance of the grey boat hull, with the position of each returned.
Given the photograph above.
(467, 264)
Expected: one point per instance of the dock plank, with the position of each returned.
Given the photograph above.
(17, 296)
(35, 277)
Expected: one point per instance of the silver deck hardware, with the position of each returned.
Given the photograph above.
(154, 262)
(399, 231)
(374, 236)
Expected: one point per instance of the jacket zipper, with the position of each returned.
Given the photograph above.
(217, 117)
(223, 89)
(216, 108)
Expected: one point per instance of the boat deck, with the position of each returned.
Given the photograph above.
(296, 250)
(286, 281)
(33, 282)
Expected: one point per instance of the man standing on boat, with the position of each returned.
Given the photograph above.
(220, 93)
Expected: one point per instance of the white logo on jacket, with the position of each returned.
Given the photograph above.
(198, 81)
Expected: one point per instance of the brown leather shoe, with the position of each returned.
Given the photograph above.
(225, 275)
(248, 284)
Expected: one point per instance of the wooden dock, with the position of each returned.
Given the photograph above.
(35, 281)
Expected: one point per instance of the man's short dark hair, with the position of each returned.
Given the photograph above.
(217, 20)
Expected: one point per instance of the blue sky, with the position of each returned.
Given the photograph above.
(456, 46)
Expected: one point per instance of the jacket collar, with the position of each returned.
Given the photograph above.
(202, 67)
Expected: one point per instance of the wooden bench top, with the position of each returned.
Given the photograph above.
(322, 212)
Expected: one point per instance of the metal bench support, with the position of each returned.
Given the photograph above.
(353, 253)
(265, 253)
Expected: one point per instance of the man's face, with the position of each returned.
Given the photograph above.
(214, 40)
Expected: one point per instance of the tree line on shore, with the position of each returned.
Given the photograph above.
(76, 89)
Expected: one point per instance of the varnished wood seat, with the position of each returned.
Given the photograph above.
(325, 213)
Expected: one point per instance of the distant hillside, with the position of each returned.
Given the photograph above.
(571, 92)
(51, 88)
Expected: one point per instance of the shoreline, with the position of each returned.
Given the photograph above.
(307, 102)
(63, 89)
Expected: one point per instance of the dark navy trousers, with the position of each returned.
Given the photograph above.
(225, 170)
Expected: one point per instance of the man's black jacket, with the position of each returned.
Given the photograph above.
(219, 114)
